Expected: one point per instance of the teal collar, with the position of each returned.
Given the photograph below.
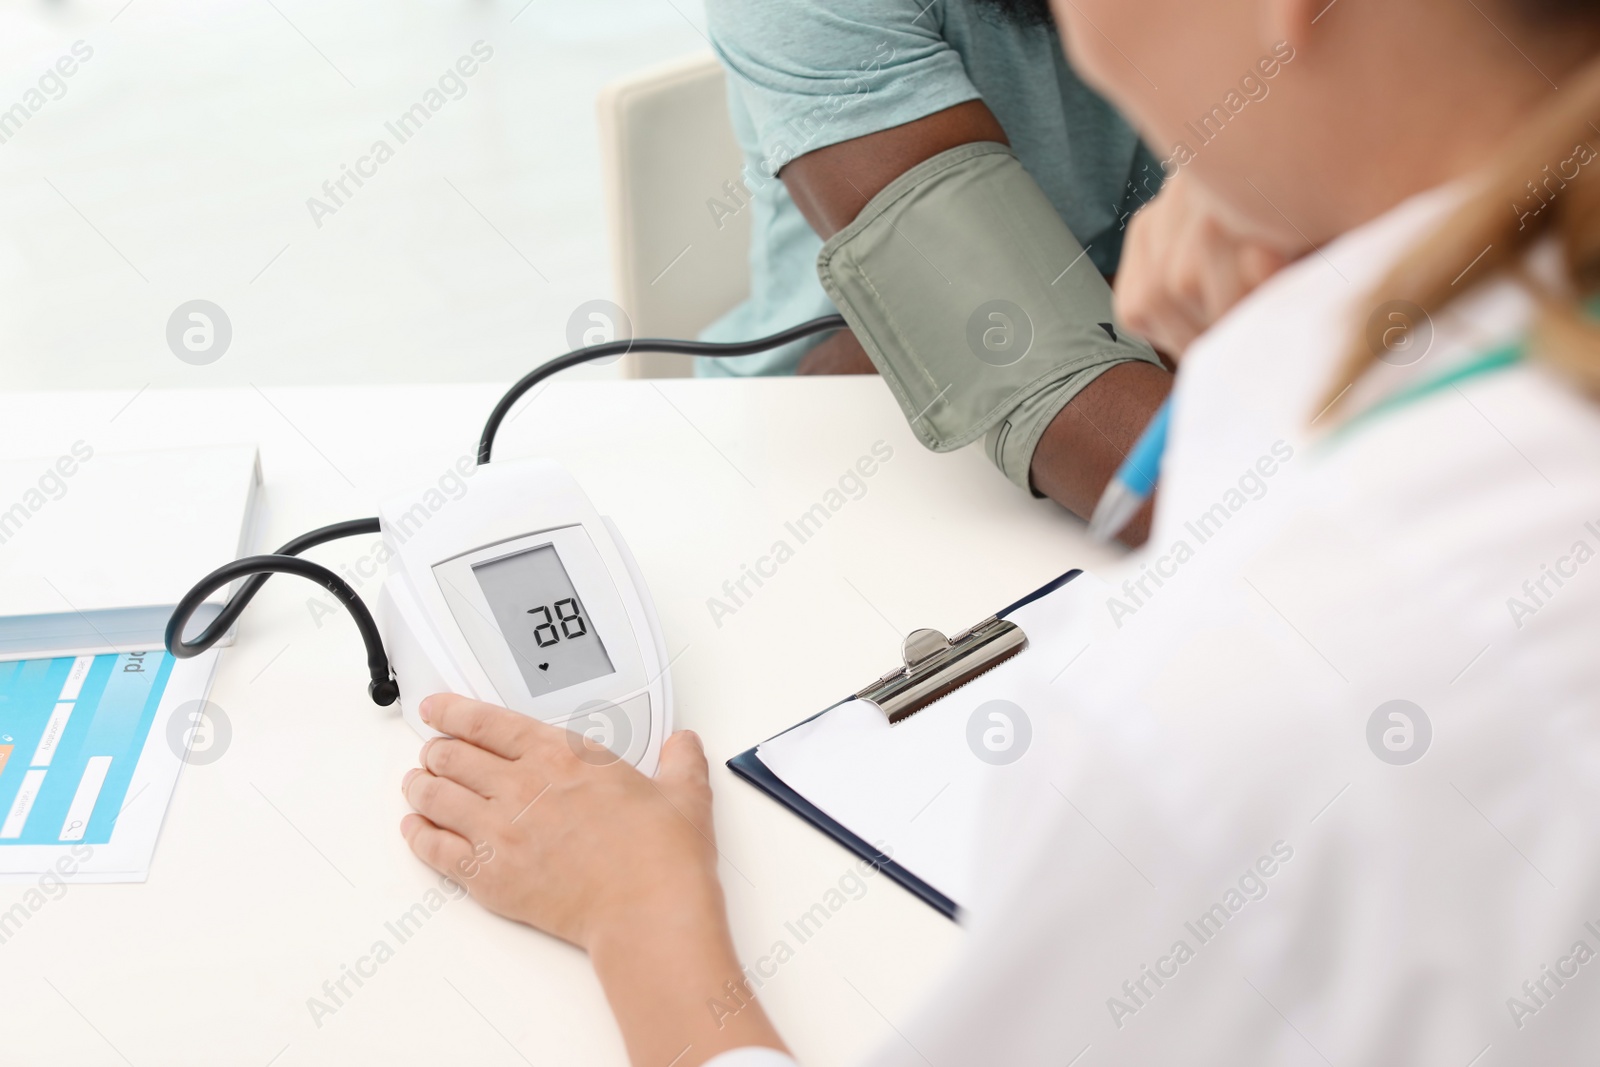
(1499, 359)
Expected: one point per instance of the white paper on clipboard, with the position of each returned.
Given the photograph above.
(914, 789)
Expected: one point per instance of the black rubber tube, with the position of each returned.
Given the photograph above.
(236, 603)
(382, 688)
(825, 324)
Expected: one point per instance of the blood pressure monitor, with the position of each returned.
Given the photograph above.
(520, 594)
(517, 593)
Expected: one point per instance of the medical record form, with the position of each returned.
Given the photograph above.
(89, 756)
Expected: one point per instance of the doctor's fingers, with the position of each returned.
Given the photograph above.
(495, 729)
(1257, 263)
(446, 852)
(447, 804)
(1157, 312)
(1157, 294)
(478, 769)
(1201, 280)
(1229, 267)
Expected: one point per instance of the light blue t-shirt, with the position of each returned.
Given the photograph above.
(804, 74)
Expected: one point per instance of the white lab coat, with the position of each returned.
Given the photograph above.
(1211, 855)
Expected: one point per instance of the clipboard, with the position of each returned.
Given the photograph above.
(926, 661)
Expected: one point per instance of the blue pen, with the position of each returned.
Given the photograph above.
(1134, 481)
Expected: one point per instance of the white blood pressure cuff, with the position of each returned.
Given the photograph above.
(975, 302)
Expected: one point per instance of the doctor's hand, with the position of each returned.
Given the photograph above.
(544, 827)
(557, 832)
(1183, 267)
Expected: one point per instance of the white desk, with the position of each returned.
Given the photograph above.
(281, 862)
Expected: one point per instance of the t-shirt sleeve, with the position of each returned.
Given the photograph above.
(812, 74)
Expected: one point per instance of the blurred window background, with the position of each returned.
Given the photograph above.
(372, 190)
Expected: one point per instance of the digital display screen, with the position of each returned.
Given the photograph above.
(541, 617)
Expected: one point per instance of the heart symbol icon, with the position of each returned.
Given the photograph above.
(544, 666)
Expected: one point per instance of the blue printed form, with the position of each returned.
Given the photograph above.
(87, 761)
(71, 731)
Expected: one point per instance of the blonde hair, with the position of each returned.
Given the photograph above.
(1563, 335)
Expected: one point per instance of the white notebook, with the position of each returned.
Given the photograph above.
(96, 548)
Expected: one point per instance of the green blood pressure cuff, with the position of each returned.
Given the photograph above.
(975, 303)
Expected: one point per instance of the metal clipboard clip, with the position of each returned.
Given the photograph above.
(935, 665)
